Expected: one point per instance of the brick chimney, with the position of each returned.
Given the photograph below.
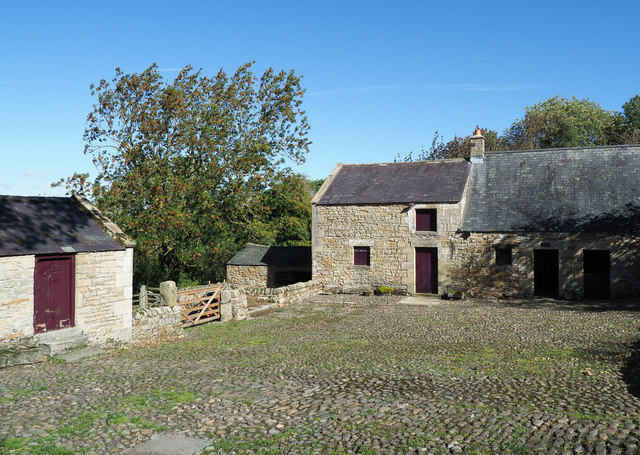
(477, 147)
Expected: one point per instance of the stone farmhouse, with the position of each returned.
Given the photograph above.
(552, 222)
(63, 264)
(388, 225)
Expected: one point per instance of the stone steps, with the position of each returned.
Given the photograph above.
(68, 345)
(79, 355)
(61, 341)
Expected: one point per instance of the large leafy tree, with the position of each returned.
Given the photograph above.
(559, 122)
(631, 111)
(554, 123)
(287, 205)
(183, 165)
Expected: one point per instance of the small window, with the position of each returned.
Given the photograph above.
(426, 220)
(361, 255)
(503, 255)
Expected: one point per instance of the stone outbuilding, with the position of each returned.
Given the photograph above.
(552, 222)
(63, 264)
(388, 224)
(261, 266)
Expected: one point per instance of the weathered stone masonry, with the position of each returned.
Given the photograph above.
(16, 297)
(103, 295)
(389, 231)
(475, 270)
(254, 276)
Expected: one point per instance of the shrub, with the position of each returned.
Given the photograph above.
(382, 290)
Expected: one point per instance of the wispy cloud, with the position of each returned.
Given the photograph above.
(33, 174)
(464, 87)
(26, 81)
(367, 88)
(168, 70)
(488, 87)
(475, 58)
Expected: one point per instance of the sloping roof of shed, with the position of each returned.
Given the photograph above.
(277, 256)
(49, 225)
(417, 182)
(593, 189)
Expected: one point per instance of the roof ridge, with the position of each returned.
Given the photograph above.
(560, 149)
(443, 160)
(19, 197)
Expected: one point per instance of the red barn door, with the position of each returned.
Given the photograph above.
(53, 293)
(426, 270)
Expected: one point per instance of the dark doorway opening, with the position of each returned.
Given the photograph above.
(545, 273)
(426, 270)
(597, 279)
(287, 277)
(53, 293)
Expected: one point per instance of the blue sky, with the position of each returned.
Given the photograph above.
(381, 77)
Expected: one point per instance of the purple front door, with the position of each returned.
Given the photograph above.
(426, 270)
(53, 293)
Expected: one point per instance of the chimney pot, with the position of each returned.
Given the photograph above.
(477, 147)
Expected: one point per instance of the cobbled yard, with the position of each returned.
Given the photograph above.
(348, 374)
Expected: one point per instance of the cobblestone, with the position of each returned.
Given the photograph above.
(349, 374)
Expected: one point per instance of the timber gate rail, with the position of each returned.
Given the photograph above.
(199, 305)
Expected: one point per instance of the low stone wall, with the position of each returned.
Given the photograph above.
(157, 322)
(233, 304)
(287, 294)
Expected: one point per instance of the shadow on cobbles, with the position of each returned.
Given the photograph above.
(631, 370)
(567, 305)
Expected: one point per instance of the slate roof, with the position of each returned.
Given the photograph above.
(49, 225)
(556, 190)
(277, 256)
(417, 182)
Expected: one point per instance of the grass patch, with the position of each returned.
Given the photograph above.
(40, 446)
(21, 393)
(80, 426)
(139, 422)
(135, 401)
(266, 445)
(173, 396)
(162, 398)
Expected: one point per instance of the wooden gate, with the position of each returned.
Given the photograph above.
(200, 305)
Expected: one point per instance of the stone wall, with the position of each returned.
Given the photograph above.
(389, 231)
(16, 297)
(476, 273)
(233, 304)
(162, 322)
(254, 276)
(103, 295)
(287, 294)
